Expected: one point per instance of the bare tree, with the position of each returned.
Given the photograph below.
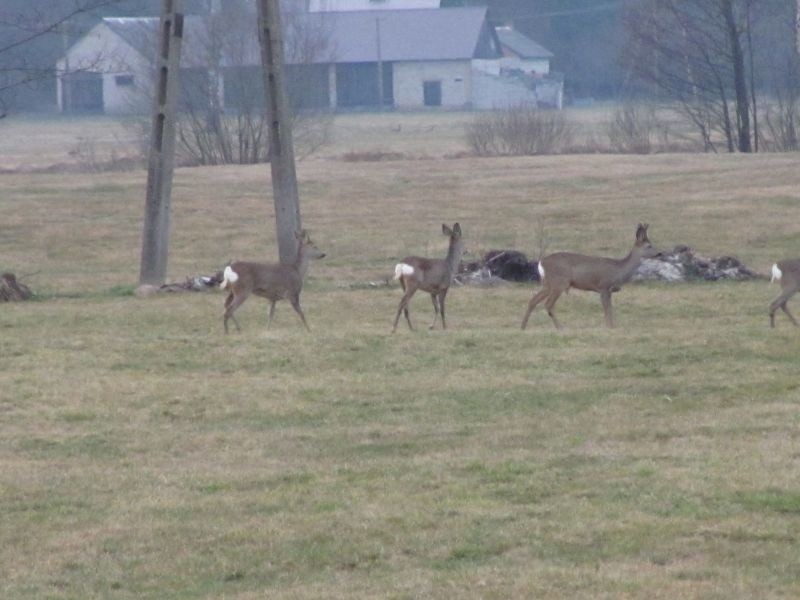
(222, 112)
(30, 34)
(692, 52)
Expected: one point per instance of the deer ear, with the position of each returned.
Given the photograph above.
(457, 229)
(446, 230)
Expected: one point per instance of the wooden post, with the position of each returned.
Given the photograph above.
(66, 91)
(380, 62)
(155, 238)
(797, 27)
(281, 147)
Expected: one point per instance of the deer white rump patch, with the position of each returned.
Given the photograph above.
(401, 269)
(776, 273)
(228, 276)
(540, 268)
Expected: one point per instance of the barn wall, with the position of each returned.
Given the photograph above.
(493, 91)
(455, 77)
(541, 66)
(102, 51)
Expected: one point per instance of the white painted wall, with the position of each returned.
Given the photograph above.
(492, 91)
(342, 5)
(540, 66)
(102, 51)
(455, 75)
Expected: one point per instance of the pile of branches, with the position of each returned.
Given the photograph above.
(683, 264)
(497, 266)
(12, 290)
(200, 283)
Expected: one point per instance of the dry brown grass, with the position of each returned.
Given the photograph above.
(146, 455)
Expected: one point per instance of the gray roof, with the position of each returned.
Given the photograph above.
(406, 35)
(423, 34)
(520, 44)
(140, 34)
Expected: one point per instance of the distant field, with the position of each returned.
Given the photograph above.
(146, 455)
(33, 142)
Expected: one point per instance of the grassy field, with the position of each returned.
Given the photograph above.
(146, 455)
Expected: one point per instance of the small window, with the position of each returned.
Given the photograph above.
(123, 80)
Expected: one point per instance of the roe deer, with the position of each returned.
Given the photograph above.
(787, 273)
(564, 270)
(432, 275)
(271, 281)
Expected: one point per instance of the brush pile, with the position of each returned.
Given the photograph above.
(199, 283)
(683, 264)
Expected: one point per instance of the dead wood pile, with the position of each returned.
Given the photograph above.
(497, 266)
(201, 283)
(12, 290)
(684, 264)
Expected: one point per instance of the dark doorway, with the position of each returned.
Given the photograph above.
(357, 84)
(432, 93)
(85, 92)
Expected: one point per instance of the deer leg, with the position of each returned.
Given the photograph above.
(551, 300)
(605, 298)
(537, 297)
(403, 306)
(271, 312)
(232, 302)
(295, 300)
(435, 311)
(405, 309)
(788, 314)
(780, 302)
(442, 296)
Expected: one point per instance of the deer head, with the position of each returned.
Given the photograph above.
(306, 246)
(643, 245)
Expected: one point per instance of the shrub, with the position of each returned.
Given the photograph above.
(519, 131)
(633, 129)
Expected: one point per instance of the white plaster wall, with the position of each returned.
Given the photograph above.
(492, 92)
(456, 78)
(540, 66)
(102, 51)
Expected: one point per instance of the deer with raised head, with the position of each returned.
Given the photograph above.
(787, 274)
(564, 270)
(432, 275)
(272, 281)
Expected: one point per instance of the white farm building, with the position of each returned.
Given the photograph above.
(350, 59)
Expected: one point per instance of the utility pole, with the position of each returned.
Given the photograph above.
(281, 147)
(66, 83)
(797, 27)
(155, 238)
(380, 61)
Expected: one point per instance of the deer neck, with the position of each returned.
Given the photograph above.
(302, 261)
(629, 264)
